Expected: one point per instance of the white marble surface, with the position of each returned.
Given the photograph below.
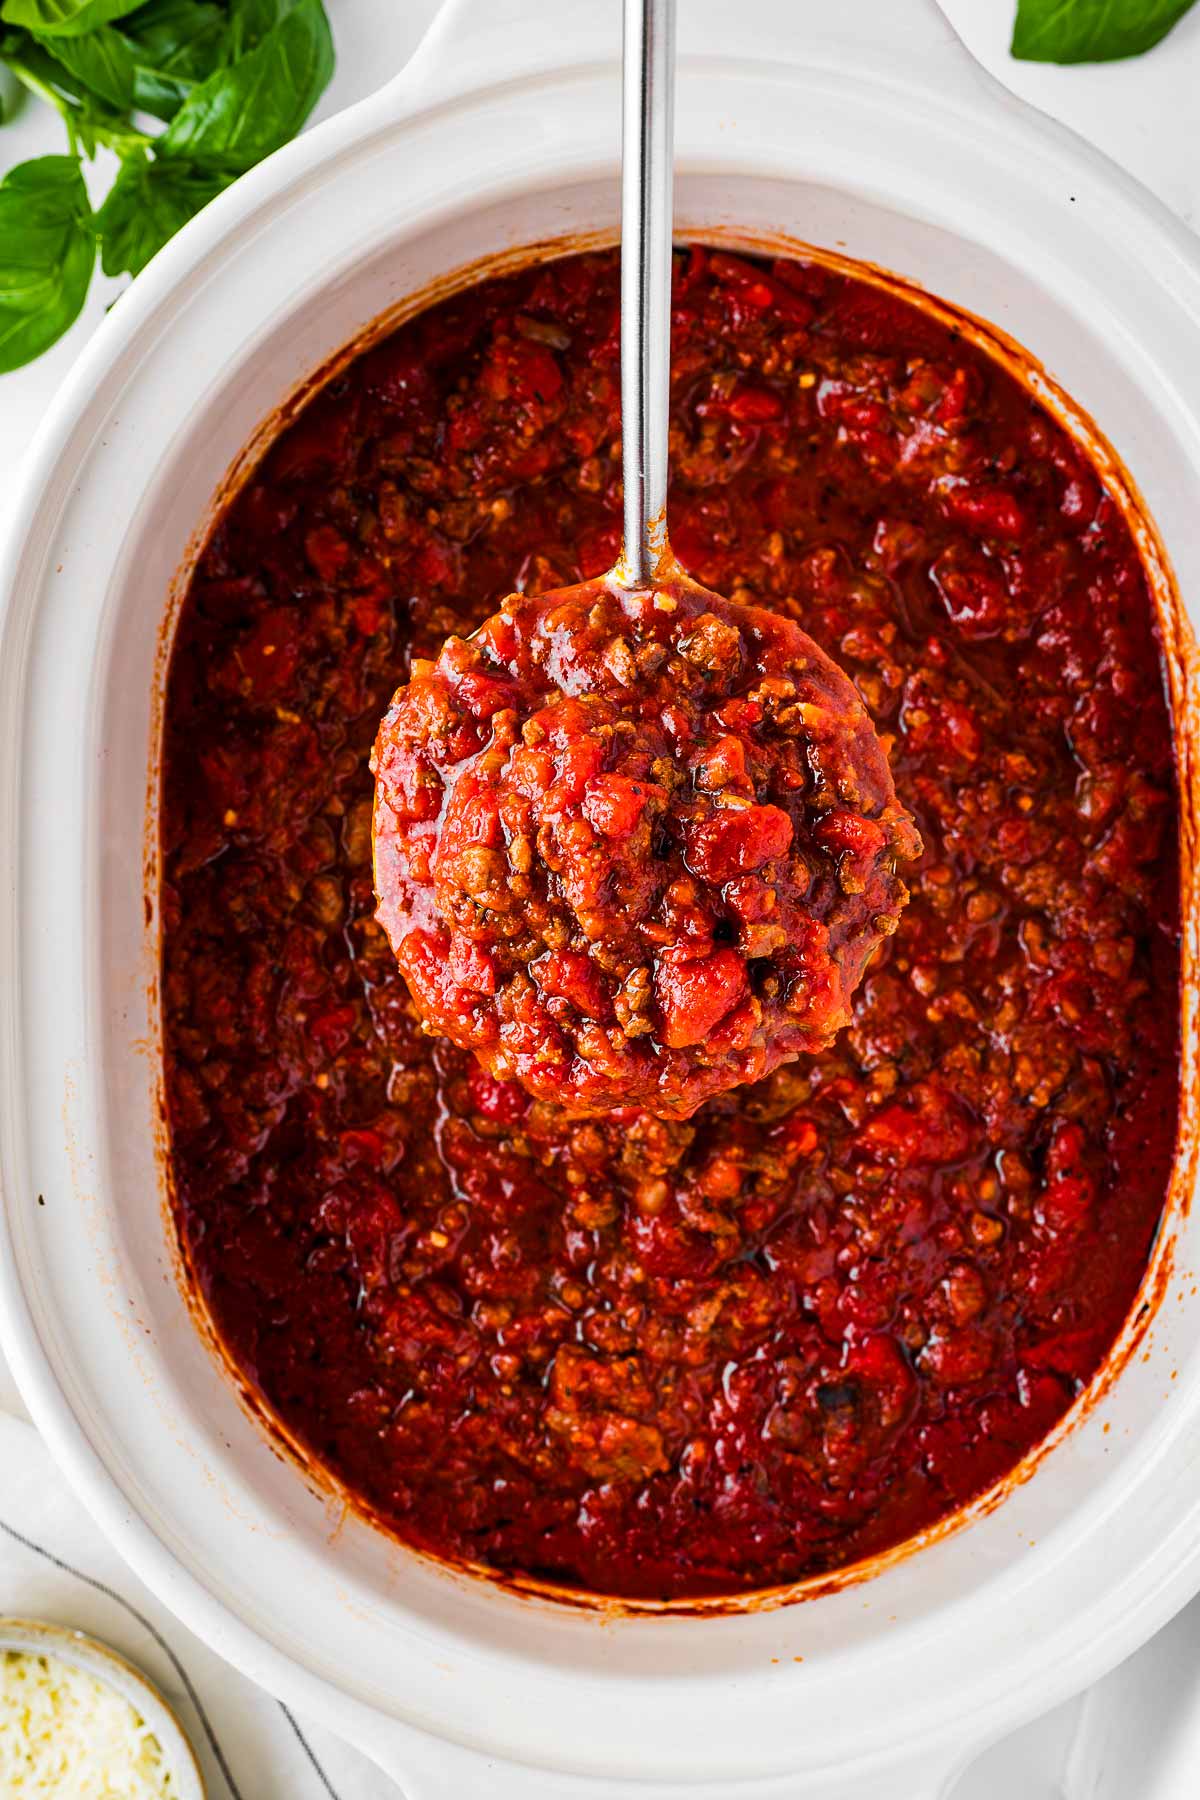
(10, 1399)
(1137, 1735)
(374, 38)
(1142, 113)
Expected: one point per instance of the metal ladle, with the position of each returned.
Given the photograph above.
(647, 211)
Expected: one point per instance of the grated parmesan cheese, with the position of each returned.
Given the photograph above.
(64, 1733)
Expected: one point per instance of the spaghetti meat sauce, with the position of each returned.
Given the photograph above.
(675, 1357)
(635, 848)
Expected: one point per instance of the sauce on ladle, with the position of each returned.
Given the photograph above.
(635, 843)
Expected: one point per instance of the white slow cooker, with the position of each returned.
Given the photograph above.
(863, 128)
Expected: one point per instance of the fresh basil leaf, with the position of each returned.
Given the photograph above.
(88, 120)
(69, 17)
(146, 205)
(10, 92)
(174, 44)
(250, 21)
(47, 253)
(99, 62)
(1073, 31)
(242, 113)
(92, 125)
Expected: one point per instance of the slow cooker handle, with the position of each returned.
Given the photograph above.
(479, 43)
(426, 1768)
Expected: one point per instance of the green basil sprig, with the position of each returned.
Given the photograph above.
(48, 251)
(1073, 31)
(65, 18)
(188, 93)
(242, 113)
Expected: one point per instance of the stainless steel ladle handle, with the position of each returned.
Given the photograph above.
(647, 205)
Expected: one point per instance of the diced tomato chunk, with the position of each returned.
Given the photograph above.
(756, 406)
(327, 551)
(695, 995)
(991, 511)
(575, 977)
(737, 842)
(470, 966)
(614, 803)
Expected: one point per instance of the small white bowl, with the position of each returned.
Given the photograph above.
(33, 1638)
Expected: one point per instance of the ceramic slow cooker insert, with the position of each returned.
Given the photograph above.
(906, 158)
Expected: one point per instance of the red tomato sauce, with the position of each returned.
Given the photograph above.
(676, 1357)
(635, 849)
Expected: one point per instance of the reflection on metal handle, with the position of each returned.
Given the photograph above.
(648, 136)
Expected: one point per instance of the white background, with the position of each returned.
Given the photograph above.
(1136, 1736)
(1144, 113)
